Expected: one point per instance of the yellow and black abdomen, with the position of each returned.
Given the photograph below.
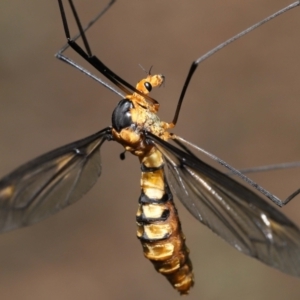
(159, 228)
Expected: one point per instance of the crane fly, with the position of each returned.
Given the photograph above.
(168, 163)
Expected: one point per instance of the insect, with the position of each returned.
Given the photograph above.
(61, 177)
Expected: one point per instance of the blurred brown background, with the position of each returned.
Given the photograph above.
(242, 105)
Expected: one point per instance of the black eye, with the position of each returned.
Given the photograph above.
(148, 86)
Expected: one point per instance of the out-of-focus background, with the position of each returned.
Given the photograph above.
(242, 105)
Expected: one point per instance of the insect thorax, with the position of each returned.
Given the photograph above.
(134, 115)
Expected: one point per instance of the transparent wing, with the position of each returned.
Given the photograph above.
(234, 212)
(50, 182)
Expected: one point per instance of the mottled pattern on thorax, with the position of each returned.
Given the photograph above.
(149, 121)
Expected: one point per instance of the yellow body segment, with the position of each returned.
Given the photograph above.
(159, 230)
(158, 225)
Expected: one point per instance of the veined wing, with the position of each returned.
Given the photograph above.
(50, 182)
(234, 212)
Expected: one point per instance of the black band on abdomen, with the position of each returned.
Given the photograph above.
(144, 199)
(145, 238)
(152, 169)
(143, 220)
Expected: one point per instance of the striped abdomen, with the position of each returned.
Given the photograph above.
(159, 228)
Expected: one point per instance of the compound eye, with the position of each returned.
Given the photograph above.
(148, 86)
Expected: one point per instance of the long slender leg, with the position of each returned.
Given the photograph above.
(92, 59)
(69, 61)
(234, 171)
(197, 62)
